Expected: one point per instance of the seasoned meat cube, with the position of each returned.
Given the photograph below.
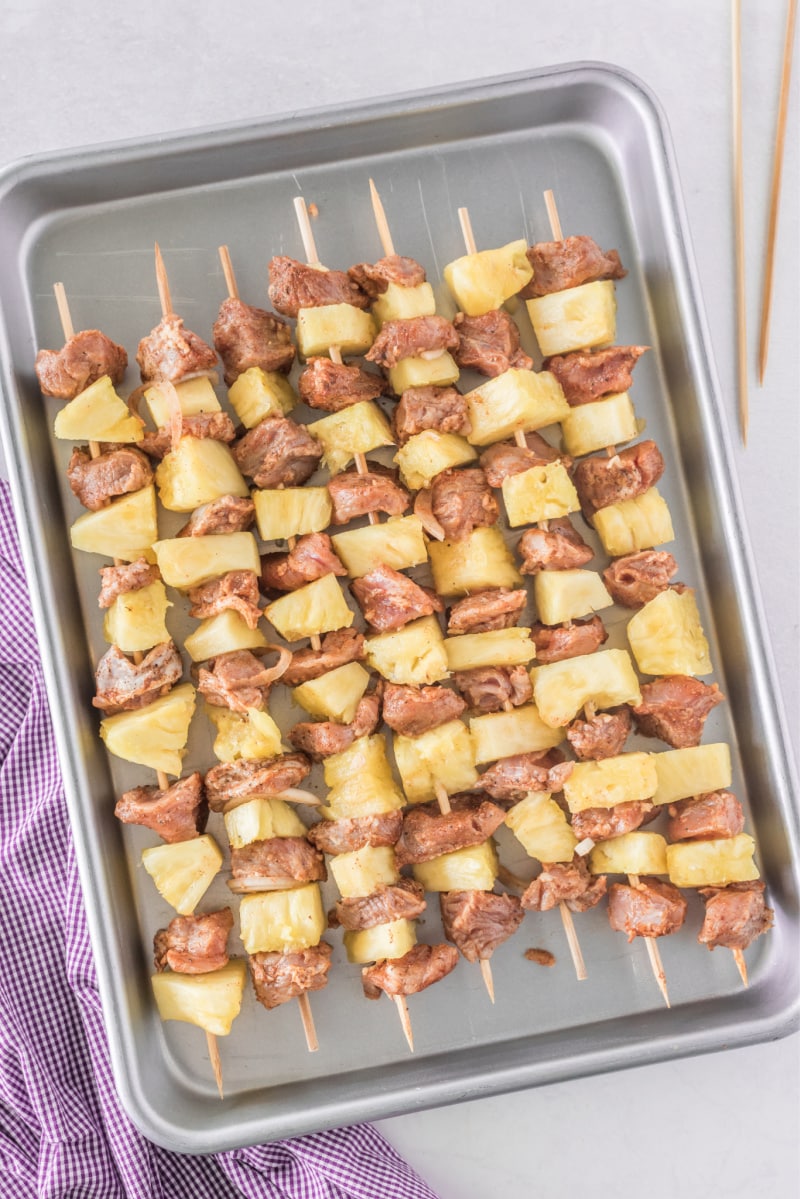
(675, 709)
(554, 643)
(228, 514)
(294, 285)
(428, 833)
(400, 901)
(560, 547)
(390, 599)
(334, 386)
(374, 278)
(319, 738)
(358, 832)
(705, 817)
(489, 343)
(651, 908)
(440, 408)
(462, 501)
(128, 576)
(232, 783)
(278, 453)
(216, 426)
(410, 338)
(276, 864)
(239, 680)
(602, 481)
(490, 688)
(485, 611)
(312, 558)
(194, 944)
(123, 685)
(412, 711)
(377, 490)
(542, 957)
(170, 352)
(478, 921)
(178, 813)
(245, 336)
(586, 376)
(598, 824)
(337, 649)
(558, 265)
(506, 458)
(237, 590)
(279, 977)
(95, 481)
(512, 778)
(603, 736)
(81, 361)
(735, 915)
(637, 578)
(564, 882)
(419, 968)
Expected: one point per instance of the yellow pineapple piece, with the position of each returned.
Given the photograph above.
(414, 655)
(634, 525)
(361, 781)
(261, 819)
(666, 636)
(392, 940)
(318, 607)
(471, 869)
(590, 427)
(196, 472)
(483, 281)
(503, 734)
(186, 562)
(125, 529)
(364, 870)
(400, 303)
(712, 863)
(183, 871)
(194, 397)
(428, 453)
(342, 325)
(517, 399)
(576, 318)
(497, 647)
(605, 678)
(442, 755)
(135, 620)
(480, 561)
(441, 371)
(542, 828)
(631, 853)
(683, 773)
(611, 781)
(257, 394)
(255, 735)
(398, 543)
(541, 493)
(276, 921)
(563, 595)
(222, 634)
(211, 1001)
(292, 512)
(155, 735)
(98, 414)
(355, 430)
(335, 695)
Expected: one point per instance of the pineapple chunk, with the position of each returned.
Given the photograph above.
(503, 734)
(198, 471)
(125, 529)
(211, 1001)
(541, 493)
(632, 853)
(611, 781)
(350, 329)
(542, 828)
(153, 736)
(361, 781)
(135, 620)
(400, 303)
(255, 735)
(441, 371)
(98, 414)
(275, 921)
(483, 281)
(318, 607)
(257, 394)
(712, 863)
(392, 940)
(194, 396)
(517, 399)
(335, 695)
(634, 525)
(355, 430)
(222, 634)
(666, 636)
(683, 773)
(398, 543)
(428, 453)
(292, 512)
(605, 678)
(471, 869)
(590, 427)
(414, 655)
(479, 561)
(261, 819)
(498, 647)
(183, 871)
(364, 870)
(186, 562)
(563, 595)
(442, 755)
(576, 318)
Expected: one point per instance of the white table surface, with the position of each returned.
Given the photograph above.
(722, 1125)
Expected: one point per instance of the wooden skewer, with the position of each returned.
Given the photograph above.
(654, 954)
(741, 965)
(738, 207)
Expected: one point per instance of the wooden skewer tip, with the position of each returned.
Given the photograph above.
(486, 975)
(307, 1017)
(405, 1019)
(216, 1064)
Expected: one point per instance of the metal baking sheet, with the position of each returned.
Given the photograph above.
(89, 218)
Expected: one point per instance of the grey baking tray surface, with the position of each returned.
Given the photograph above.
(90, 218)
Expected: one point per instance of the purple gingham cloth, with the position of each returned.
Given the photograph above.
(63, 1134)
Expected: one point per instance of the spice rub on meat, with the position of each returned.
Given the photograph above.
(232, 783)
(294, 285)
(278, 453)
(337, 649)
(239, 680)
(513, 777)
(404, 900)
(95, 481)
(226, 514)
(485, 611)
(333, 386)
(490, 688)
(560, 547)
(311, 558)
(650, 908)
(489, 343)
(735, 915)
(410, 338)
(506, 458)
(634, 580)
(170, 352)
(478, 921)
(245, 336)
(194, 944)
(237, 590)
(564, 882)
(428, 832)
(376, 490)
(412, 711)
(602, 480)
(586, 376)
(599, 824)
(177, 813)
(601, 736)
(374, 278)
(421, 967)
(389, 599)
(123, 685)
(81, 361)
(275, 864)
(675, 709)
(213, 426)
(555, 643)
(558, 265)
(356, 832)
(320, 738)
(714, 815)
(462, 501)
(442, 409)
(128, 576)
(281, 976)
